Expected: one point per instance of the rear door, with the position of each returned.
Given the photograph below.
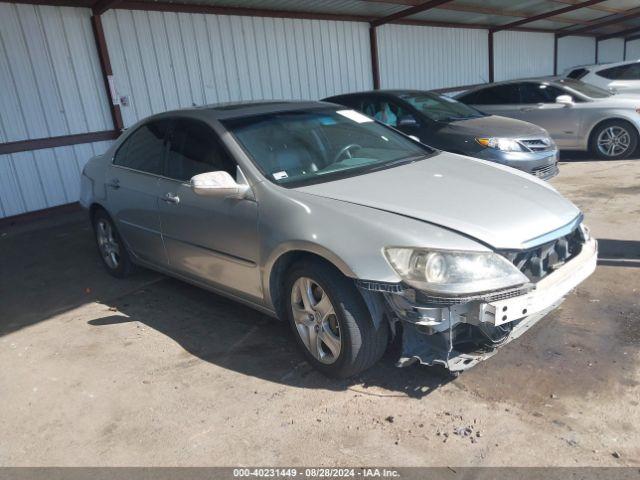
(496, 100)
(212, 240)
(132, 190)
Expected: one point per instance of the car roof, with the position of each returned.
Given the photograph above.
(601, 66)
(229, 110)
(550, 79)
(393, 92)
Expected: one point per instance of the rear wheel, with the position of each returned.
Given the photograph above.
(112, 249)
(331, 322)
(614, 140)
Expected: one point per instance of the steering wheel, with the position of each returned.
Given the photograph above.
(344, 150)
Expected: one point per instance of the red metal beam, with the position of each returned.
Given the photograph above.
(491, 63)
(102, 6)
(423, 7)
(633, 13)
(555, 54)
(107, 73)
(375, 66)
(622, 33)
(53, 142)
(542, 16)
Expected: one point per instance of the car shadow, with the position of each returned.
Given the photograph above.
(232, 336)
(618, 253)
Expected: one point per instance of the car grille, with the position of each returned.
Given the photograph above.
(538, 144)
(538, 262)
(546, 171)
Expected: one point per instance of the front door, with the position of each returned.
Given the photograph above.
(212, 240)
(538, 106)
(132, 191)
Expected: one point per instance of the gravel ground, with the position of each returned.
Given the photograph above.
(151, 371)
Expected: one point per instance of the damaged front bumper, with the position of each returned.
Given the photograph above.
(448, 333)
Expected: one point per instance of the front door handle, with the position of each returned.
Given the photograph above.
(114, 183)
(527, 109)
(171, 198)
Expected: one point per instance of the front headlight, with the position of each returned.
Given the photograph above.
(503, 144)
(454, 273)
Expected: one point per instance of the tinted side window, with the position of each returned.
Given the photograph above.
(539, 93)
(613, 73)
(194, 148)
(144, 149)
(498, 95)
(578, 73)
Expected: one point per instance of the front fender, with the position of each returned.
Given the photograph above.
(352, 237)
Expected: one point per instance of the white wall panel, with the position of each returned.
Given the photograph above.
(574, 51)
(166, 60)
(431, 57)
(633, 50)
(43, 178)
(522, 54)
(611, 50)
(50, 76)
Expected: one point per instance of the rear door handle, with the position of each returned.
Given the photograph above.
(171, 198)
(114, 183)
(528, 109)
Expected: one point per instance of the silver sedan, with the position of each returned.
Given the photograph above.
(340, 225)
(578, 116)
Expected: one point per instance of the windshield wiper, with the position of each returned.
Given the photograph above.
(395, 163)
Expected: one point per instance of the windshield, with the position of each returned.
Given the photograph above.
(440, 108)
(313, 146)
(586, 89)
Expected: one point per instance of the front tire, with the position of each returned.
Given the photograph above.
(111, 248)
(613, 140)
(331, 322)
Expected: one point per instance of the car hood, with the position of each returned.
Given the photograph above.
(497, 205)
(494, 126)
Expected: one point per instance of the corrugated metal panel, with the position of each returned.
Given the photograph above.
(611, 50)
(50, 77)
(522, 54)
(43, 178)
(574, 51)
(633, 50)
(430, 57)
(165, 60)
(51, 85)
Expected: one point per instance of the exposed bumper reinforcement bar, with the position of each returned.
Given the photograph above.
(428, 335)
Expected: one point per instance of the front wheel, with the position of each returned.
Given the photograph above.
(614, 140)
(330, 321)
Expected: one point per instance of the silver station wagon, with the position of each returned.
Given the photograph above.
(340, 225)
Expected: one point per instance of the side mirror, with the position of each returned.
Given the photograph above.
(407, 121)
(217, 184)
(564, 100)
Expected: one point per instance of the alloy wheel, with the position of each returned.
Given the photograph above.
(316, 320)
(109, 247)
(613, 141)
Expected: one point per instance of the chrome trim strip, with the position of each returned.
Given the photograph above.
(555, 234)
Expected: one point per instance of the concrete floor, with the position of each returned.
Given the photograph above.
(151, 371)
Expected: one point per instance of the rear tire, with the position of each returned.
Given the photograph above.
(113, 251)
(331, 322)
(613, 140)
